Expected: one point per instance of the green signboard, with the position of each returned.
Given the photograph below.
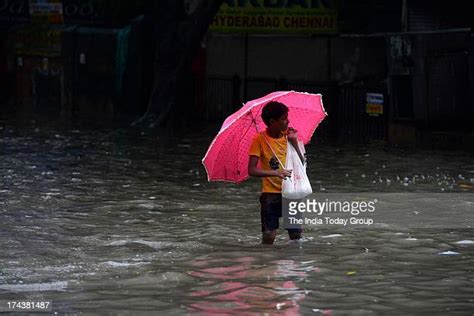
(277, 16)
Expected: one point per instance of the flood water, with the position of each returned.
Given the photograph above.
(100, 221)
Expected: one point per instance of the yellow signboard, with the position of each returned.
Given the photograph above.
(276, 16)
(374, 109)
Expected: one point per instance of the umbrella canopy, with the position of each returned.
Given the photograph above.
(228, 155)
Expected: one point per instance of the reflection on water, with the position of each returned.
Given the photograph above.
(230, 286)
(105, 221)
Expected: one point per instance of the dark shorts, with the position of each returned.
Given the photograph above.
(270, 212)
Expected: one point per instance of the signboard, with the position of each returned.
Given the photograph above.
(276, 16)
(50, 11)
(374, 106)
(38, 41)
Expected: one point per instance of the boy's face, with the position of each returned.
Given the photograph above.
(280, 124)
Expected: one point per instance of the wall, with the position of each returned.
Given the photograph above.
(357, 57)
(315, 59)
(432, 70)
(297, 58)
(428, 48)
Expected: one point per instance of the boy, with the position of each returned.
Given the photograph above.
(269, 147)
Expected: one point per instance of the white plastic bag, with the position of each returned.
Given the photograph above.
(297, 186)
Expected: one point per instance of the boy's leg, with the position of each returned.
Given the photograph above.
(269, 237)
(295, 234)
(270, 204)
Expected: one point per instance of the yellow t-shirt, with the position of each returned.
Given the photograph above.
(267, 159)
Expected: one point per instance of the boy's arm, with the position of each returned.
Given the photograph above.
(254, 171)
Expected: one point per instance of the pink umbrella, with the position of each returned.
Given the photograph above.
(227, 157)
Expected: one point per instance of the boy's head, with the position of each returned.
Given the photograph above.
(275, 114)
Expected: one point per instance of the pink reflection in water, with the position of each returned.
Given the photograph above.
(242, 286)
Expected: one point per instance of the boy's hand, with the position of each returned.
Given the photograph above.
(292, 135)
(293, 139)
(283, 173)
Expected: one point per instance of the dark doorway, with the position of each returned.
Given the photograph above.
(448, 86)
(47, 92)
(402, 91)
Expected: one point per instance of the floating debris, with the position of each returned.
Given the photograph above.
(280, 305)
(449, 253)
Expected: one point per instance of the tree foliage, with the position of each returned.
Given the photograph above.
(178, 36)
